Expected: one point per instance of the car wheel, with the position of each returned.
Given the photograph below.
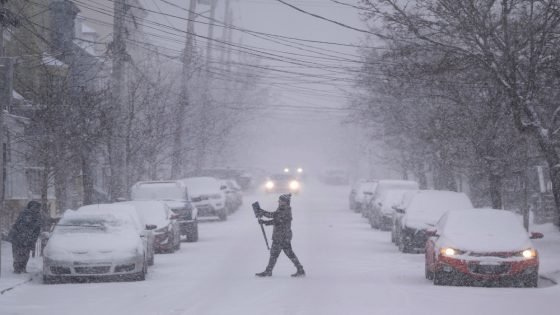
(49, 279)
(192, 231)
(404, 247)
(531, 281)
(223, 215)
(428, 274)
(440, 278)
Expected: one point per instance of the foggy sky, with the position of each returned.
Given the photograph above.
(288, 136)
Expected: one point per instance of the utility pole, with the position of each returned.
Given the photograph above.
(117, 146)
(177, 160)
(206, 97)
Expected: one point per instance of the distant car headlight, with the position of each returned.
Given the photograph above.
(294, 185)
(528, 253)
(269, 184)
(300, 170)
(450, 252)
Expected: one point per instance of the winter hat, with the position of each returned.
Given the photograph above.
(34, 205)
(286, 197)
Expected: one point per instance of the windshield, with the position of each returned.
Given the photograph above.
(90, 224)
(158, 191)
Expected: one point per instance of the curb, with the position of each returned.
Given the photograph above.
(16, 285)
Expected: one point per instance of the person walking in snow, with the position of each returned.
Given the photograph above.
(24, 235)
(281, 236)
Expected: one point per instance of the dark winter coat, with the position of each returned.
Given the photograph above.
(282, 222)
(26, 230)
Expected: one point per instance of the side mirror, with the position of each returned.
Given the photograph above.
(536, 235)
(398, 210)
(151, 227)
(431, 233)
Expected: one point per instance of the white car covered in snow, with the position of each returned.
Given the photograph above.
(420, 211)
(207, 196)
(175, 194)
(378, 214)
(94, 245)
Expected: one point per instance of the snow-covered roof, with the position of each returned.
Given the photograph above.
(49, 60)
(17, 96)
(86, 29)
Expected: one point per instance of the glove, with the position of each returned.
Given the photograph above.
(261, 221)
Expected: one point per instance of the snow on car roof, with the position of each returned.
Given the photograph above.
(485, 230)
(392, 197)
(127, 210)
(158, 190)
(427, 206)
(202, 185)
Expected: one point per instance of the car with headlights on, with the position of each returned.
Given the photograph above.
(421, 211)
(481, 246)
(167, 232)
(175, 194)
(282, 183)
(93, 246)
(207, 195)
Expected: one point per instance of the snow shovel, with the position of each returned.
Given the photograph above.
(256, 209)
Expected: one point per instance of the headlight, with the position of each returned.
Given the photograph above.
(450, 252)
(300, 170)
(269, 184)
(294, 185)
(286, 170)
(528, 253)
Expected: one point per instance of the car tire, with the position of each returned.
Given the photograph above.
(192, 231)
(532, 281)
(404, 247)
(178, 242)
(440, 278)
(49, 279)
(222, 215)
(427, 273)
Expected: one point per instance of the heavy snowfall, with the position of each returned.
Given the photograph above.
(279, 157)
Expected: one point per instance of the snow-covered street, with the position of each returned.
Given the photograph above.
(351, 269)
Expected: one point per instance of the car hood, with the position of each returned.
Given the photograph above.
(486, 243)
(92, 245)
(175, 204)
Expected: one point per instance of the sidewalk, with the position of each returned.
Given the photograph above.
(8, 279)
(549, 251)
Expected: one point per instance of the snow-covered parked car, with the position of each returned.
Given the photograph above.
(380, 214)
(234, 196)
(364, 195)
(485, 246)
(167, 232)
(420, 211)
(94, 245)
(176, 196)
(144, 229)
(208, 196)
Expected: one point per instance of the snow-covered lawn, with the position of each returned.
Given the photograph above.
(351, 269)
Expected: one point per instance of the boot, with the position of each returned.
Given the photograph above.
(263, 274)
(299, 273)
